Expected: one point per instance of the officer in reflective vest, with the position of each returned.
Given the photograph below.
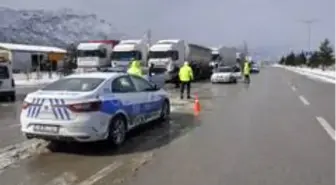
(247, 71)
(186, 76)
(135, 68)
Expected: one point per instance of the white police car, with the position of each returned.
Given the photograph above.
(91, 107)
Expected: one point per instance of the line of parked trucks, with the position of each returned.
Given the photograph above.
(166, 55)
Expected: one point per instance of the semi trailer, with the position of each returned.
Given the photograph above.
(170, 55)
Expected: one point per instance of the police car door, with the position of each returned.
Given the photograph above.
(123, 91)
(149, 106)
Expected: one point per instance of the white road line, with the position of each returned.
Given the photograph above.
(304, 100)
(326, 127)
(101, 174)
(294, 88)
(66, 178)
(14, 125)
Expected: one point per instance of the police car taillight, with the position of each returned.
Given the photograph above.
(25, 105)
(85, 107)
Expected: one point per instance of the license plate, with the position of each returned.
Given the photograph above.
(46, 128)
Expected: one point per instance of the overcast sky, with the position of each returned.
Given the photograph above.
(262, 23)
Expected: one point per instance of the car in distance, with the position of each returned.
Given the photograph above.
(226, 74)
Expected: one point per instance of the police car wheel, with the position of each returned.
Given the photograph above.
(117, 131)
(165, 110)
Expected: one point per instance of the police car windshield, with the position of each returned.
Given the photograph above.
(4, 74)
(74, 84)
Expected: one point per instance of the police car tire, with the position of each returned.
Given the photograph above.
(115, 125)
(165, 111)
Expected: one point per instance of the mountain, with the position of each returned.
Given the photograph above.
(54, 28)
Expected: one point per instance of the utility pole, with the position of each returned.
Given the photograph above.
(309, 23)
(149, 37)
(149, 42)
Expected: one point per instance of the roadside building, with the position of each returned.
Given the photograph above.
(28, 58)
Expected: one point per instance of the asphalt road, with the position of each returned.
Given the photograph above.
(10, 114)
(264, 133)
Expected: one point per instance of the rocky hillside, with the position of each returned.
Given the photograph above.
(56, 28)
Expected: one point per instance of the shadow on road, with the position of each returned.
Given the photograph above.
(147, 137)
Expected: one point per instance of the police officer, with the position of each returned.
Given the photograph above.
(135, 68)
(150, 70)
(247, 71)
(185, 75)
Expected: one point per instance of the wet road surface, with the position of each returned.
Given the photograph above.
(263, 133)
(72, 159)
(10, 114)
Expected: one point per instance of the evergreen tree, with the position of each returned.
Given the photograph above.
(290, 59)
(314, 60)
(282, 60)
(300, 59)
(326, 54)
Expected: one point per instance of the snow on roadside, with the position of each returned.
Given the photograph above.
(34, 82)
(12, 154)
(326, 76)
(22, 79)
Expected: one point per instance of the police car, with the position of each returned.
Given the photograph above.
(91, 107)
(226, 74)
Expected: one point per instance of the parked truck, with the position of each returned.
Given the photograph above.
(223, 56)
(127, 50)
(169, 55)
(95, 53)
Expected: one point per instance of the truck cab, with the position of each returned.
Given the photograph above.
(7, 84)
(95, 53)
(127, 50)
(215, 58)
(168, 55)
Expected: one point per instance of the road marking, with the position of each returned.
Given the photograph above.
(294, 88)
(101, 174)
(4, 105)
(326, 127)
(66, 178)
(304, 100)
(14, 125)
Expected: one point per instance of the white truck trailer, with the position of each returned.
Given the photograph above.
(127, 50)
(224, 56)
(169, 55)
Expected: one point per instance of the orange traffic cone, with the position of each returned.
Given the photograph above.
(197, 106)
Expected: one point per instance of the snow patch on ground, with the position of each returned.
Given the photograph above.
(326, 76)
(14, 153)
(33, 79)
